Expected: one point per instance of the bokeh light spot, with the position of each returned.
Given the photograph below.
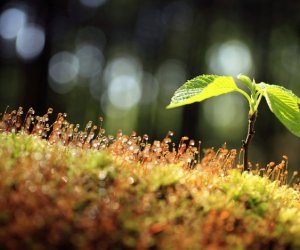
(124, 92)
(63, 68)
(90, 60)
(12, 20)
(122, 78)
(226, 113)
(123, 65)
(229, 58)
(30, 41)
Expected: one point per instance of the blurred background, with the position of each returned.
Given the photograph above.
(123, 60)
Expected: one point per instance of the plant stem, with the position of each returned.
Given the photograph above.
(244, 94)
(246, 143)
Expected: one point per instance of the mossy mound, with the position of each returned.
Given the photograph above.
(54, 196)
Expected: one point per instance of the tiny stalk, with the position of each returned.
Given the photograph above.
(254, 100)
(282, 102)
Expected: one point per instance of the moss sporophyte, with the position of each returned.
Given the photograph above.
(63, 187)
(281, 101)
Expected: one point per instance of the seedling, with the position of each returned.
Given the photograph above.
(282, 102)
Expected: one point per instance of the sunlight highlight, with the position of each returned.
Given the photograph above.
(12, 20)
(229, 58)
(30, 41)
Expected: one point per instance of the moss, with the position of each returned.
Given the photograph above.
(54, 196)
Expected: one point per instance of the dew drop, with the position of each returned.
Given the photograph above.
(31, 111)
(76, 128)
(95, 144)
(167, 140)
(102, 175)
(133, 134)
(131, 180)
(7, 107)
(124, 139)
(20, 111)
(170, 133)
(64, 179)
(88, 125)
(192, 143)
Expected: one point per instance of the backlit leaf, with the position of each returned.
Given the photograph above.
(284, 104)
(201, 88)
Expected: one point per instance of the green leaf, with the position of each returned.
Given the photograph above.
(201, 88)
(246, 80)
(284, 104)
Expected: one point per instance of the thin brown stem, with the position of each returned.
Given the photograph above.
(248, 140)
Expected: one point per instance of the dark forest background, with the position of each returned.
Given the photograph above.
(123, 60)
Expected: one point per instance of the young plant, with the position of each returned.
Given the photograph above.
(281, 101)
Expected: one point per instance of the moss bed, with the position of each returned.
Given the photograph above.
(127, 193)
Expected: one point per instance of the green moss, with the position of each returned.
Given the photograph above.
(52, 196)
